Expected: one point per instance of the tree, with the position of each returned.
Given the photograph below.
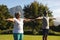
(35, 10)
(4, 13)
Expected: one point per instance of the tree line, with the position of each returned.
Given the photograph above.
(32, 11)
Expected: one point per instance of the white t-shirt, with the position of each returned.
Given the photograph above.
(18, 26)
(45, 23)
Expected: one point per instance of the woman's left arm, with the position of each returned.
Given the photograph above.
(26, 19)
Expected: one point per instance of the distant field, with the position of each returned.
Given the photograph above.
(29, 37)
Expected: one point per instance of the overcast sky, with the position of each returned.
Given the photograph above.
(54, 5)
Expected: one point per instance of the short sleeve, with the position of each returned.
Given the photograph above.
(13, 18)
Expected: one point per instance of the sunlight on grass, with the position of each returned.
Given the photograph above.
(29, 37)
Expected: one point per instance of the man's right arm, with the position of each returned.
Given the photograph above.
(39, 18)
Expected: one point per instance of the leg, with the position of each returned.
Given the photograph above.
(45, 33)
(15, 36)
(20, 36)
(45, 37)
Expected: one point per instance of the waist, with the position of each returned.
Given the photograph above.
(17, 30)
(45, 27)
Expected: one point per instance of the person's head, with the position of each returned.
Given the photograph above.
(17, 15)
(45, 13)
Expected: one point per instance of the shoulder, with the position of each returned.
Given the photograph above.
(14, 18)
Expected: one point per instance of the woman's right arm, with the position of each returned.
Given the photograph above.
(10, 19)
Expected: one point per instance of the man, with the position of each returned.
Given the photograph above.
(45, 24)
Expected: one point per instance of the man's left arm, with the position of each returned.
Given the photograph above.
(52, 18)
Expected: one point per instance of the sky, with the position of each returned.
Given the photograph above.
(53, 5)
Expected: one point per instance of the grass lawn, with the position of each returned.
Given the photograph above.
(29, 37)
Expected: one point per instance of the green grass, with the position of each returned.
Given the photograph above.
(29, 37)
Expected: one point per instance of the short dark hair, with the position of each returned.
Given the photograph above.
(45, 13)
(17, 14)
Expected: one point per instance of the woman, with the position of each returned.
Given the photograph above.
(18, 26)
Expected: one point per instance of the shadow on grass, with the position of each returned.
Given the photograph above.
(31, 33)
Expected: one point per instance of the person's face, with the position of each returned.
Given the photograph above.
(45, 13)
(17, 15)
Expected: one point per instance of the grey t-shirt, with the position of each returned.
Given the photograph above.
(45, 23)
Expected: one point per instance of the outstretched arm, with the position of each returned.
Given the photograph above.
(9, 19)
(39, 18)
(52, 18)
(26, 19)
